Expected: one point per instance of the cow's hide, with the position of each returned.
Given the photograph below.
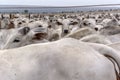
(66, 59)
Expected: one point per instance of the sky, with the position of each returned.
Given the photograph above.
(58, 2)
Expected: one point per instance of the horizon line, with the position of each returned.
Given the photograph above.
(59, 6)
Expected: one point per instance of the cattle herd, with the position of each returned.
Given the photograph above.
(76, 46)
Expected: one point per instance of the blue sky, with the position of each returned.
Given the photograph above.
(58, 2)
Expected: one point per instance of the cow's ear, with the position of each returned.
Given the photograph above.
(83, 18)
(59, 23)
(73, 23)
(24, 30)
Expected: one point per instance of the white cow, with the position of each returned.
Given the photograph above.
(115, 45)
(82, 32)
(110, 22)
(95, 38)
(88, 23)
(66, 59)
(4, 23)
(13, 38)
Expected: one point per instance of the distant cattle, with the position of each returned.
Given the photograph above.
(58, 26)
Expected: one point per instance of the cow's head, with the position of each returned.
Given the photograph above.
(12, 38)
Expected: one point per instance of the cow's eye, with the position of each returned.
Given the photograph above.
(16, 40)
(40, 26)
(20, 23)
(89, 23)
